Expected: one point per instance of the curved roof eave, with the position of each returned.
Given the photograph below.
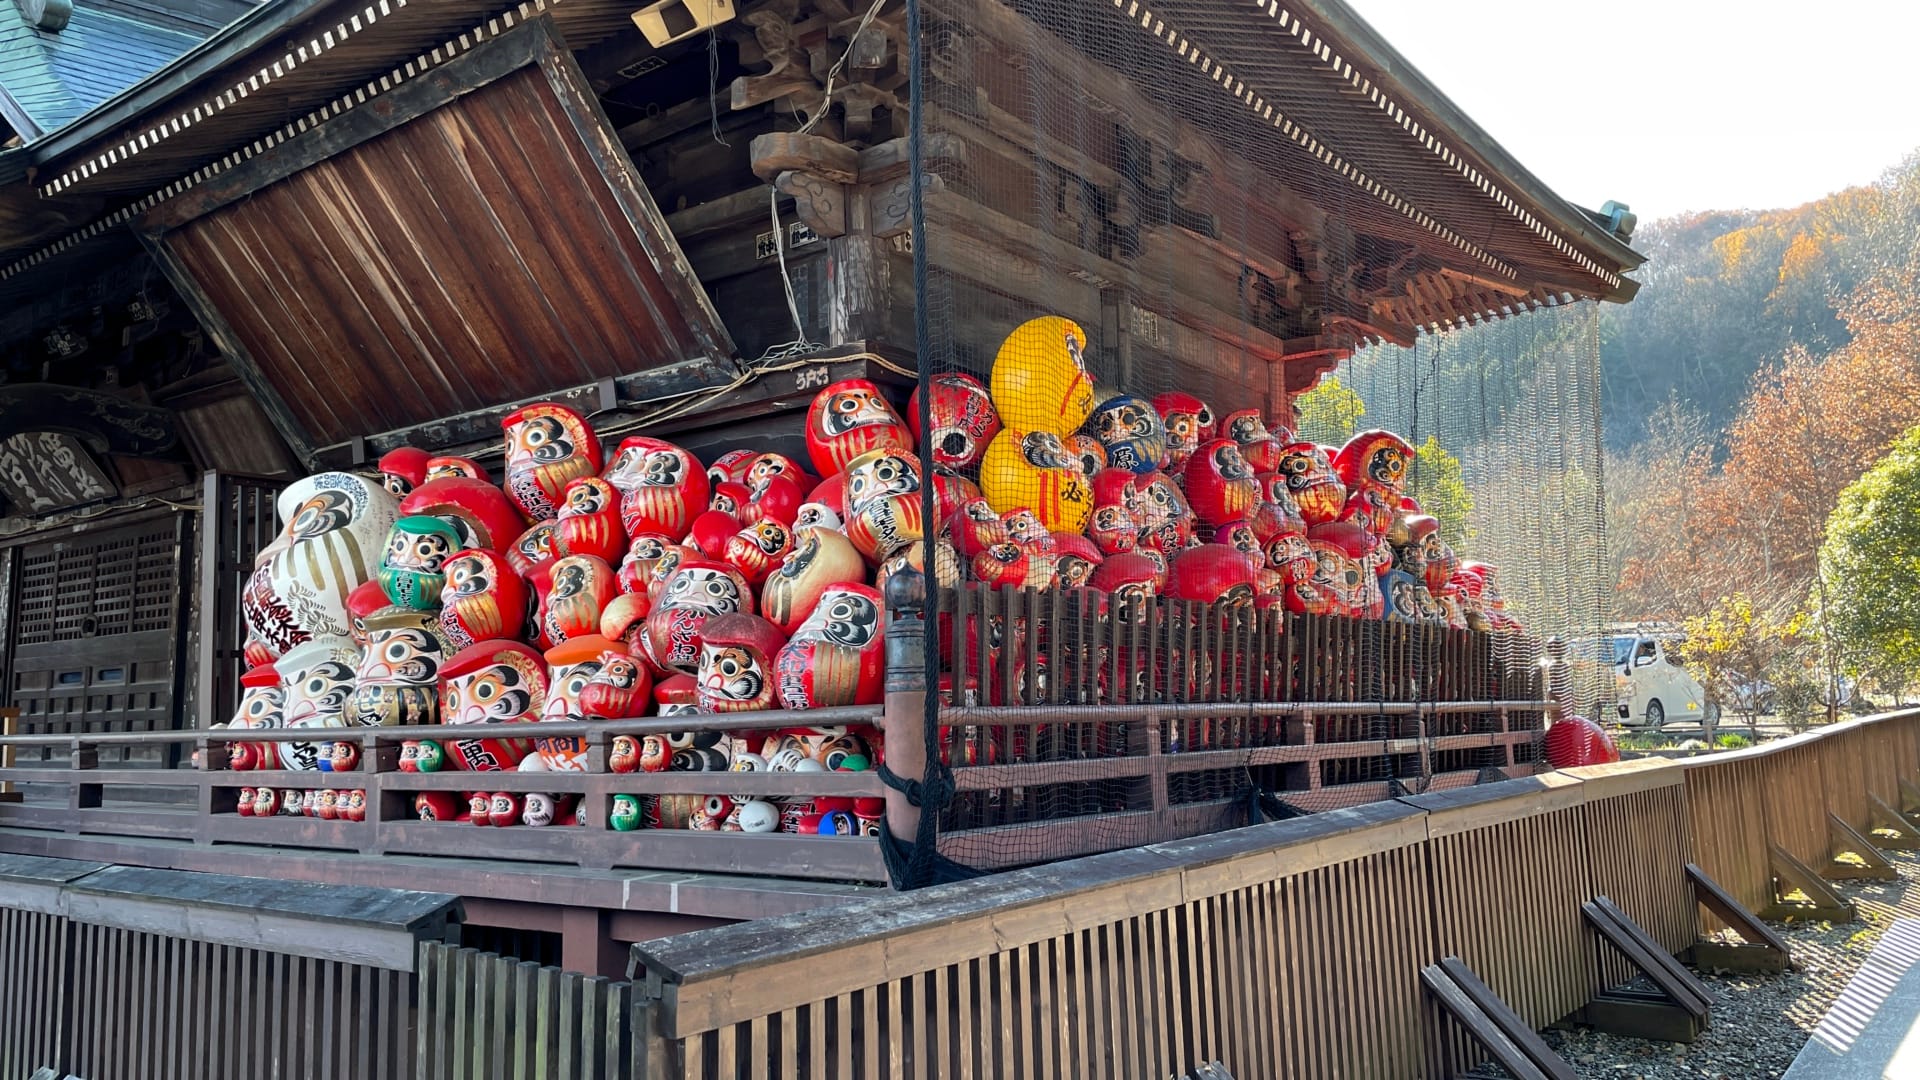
(1341, 20)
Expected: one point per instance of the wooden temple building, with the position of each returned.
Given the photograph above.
(327, 228)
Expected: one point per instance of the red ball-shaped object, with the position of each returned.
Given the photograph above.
(1576, 740)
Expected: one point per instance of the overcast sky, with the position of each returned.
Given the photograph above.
(1677, 105)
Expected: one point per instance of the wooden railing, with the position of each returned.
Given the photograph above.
(1746, 805)
(1288, 949)
(391, 826)
(1075, 726)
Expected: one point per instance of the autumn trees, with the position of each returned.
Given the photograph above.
(1705, 519)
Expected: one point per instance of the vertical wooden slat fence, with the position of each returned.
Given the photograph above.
(118, 973)
(1289, 949)
(1744, 804)
(488, 1017)
(1508, 877)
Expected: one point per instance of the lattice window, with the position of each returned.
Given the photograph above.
(91, 587)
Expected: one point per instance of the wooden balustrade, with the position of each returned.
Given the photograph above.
(1292, 948)
(391, 827)
(1746, 805)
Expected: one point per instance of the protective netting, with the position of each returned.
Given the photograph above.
(1121, 282)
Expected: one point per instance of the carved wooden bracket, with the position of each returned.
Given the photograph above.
(821, 204)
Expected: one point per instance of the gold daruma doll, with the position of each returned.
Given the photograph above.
(1039, 379)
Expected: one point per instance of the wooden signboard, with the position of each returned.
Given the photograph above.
(45, 471)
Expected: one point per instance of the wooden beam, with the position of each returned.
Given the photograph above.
(1845, 840)
(1708, 894)
(1508, 1021)
(1477, 1025)
(1903, 835)
(1825, 903)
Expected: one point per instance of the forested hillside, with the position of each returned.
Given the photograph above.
(1727, 294)
(1769, 362)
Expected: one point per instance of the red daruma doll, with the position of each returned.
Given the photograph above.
(736, 663)
(848, 419)
(483, 598)
(494, 682)
(836, 657)
(548, 447)
(662, 486)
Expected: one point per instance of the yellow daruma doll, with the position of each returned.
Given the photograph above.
(1033, 469)
(1039, 378)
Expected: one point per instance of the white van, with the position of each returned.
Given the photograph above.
(1652, 684)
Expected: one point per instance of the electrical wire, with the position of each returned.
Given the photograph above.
(801, 343)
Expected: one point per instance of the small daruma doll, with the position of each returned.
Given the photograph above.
(619, 690)
(482, 600)
(662, 486)
(412, 567)
(548, 447)
(736, 663)
(883, 503)
(493, 682)
(262, 705)
(1189, 422)
(589, 521)
(1039, 377)
(579, 588)
(1316, 489)
(838, 655)
(850, 418)
(964, 420)
(1220, 485)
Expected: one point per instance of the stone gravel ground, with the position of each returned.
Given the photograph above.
(1762, 1021)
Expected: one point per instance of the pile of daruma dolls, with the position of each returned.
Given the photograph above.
(640, 583)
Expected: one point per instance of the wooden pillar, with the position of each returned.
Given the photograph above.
(586, 944)
(905, 720)
(9, 725)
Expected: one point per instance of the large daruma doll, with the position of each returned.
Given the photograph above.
(483, 599)
(336, 526)
(662, 486)
(1039, 378)
(848, 419)
(883, 503)
(838, 655)
(493, 682)
(1034, 470)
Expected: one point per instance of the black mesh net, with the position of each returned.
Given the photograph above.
(1159, 609)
